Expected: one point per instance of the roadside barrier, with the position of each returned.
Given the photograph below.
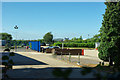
(82, 52)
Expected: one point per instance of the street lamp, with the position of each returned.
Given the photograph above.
(62, 44)
(16, 27)
(88, 36)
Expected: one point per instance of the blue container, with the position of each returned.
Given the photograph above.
(34, 45)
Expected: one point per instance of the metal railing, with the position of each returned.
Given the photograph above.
(67, 57)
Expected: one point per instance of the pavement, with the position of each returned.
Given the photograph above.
(29, 64)
(37, 59)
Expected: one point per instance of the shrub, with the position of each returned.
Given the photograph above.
(87, 45)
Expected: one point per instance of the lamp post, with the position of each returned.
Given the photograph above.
(62, 43)
(88, 36)
(16, 27)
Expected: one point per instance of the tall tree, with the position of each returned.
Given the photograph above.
(48, 37)
(109, 49)
(81, 38)
(5, 36)
(96, 38)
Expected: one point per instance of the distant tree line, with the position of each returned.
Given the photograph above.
(48, 39)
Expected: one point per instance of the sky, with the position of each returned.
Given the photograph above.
(63, 19)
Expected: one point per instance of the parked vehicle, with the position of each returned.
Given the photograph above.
(22, 45)
(43, 44)
(52, 47)
(47, 44)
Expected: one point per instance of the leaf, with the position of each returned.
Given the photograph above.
(12, 54)
(5, 57)
(4, 63)
(57, 72)
(11, 61)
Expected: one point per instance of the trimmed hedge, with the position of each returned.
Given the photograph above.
(87, 45)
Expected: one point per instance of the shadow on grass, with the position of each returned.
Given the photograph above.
(58, 73)
(49, 73)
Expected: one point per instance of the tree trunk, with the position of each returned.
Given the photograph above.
(110, 61)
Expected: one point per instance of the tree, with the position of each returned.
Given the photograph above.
(96, 38)
(41, 40)
(48, 37)
(81, 38)
(66, 39)
(109, 48)
(74, 38)
(5, 36)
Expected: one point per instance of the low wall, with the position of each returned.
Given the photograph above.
(67, 51)
(48, 50)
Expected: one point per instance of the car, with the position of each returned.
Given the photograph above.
(43, 44)
(47, 44)
(52, 47)
(22, 45)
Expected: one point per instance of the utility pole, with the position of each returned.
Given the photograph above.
(16, 27)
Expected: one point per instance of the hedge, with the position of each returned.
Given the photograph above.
(87, 45)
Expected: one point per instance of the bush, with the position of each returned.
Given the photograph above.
(87, 45)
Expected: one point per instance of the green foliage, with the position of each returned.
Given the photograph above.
(88, 45)
(19, 43)
(73, 39)
(12, 48)
(5, 58)
(110, 33)
(8, 45)
(9, 67)
(7, 62)
(96, 38)
(12, 54)
(11, 61)
(5, 36)
(48, 38)
(41, 40)
(86, 70)
(4, 63)
(81, 38)
(60, 73)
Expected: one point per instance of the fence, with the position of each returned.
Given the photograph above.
(75, 59)
(69, 55)
(67, 51)
(34, 45)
